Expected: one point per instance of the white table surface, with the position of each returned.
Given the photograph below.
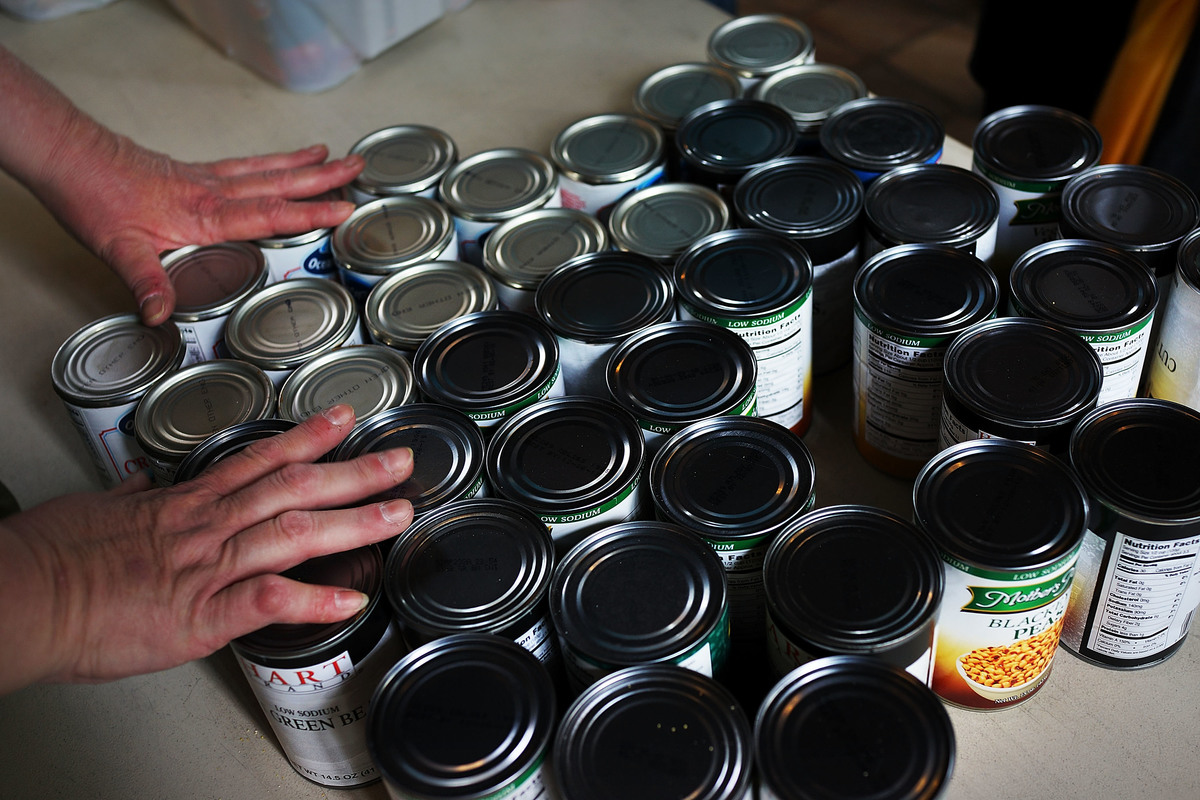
(499, 73)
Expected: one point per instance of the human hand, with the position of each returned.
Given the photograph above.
(100, 586)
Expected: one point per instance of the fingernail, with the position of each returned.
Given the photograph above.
(339, 415)
(350, 601)
(153, 309)
(397, 460)
(396, 511)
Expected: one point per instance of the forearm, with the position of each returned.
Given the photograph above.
(27, 614)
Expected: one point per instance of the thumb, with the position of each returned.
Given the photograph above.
(139, 266)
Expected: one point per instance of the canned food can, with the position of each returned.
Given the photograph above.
(282, 326)
(1104, 295)
(910, 302)
(654, 731)
(1028, 153)
(595, 301)
(817, 204)
(755, 46)
(852, 580)
(1174, 372)
(386, 235)
(315, 681)
(475, 566)
(670, 93)
(1017, 378)
(662, 221)
(873, 135)
(720, 142)
(489, 365)
(465, 717)
(303, 255)
(370, 378)
(759, 285)
(224, 443)
(1137, 584)
(404, 308)
(891, 734)
(493, 186)
(810, 93)
(521, 252)
(604, 157)
(210, 282)
(100, 373)
(640, 592)
(448, 452)
(574, 461)
(192, 403)
(1008, 520)
(402, 159)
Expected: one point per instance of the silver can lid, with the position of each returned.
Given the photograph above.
(114, 360)
(495, 185)
(403, 159)
(607, 148)
(404, 308)
(603, 297)
(664, 220)
(525, 249)
(370, 378)
(743, 274)
(756, 45)
(872, 135)
(810, 92)
(194, 402)
(669, 94)
(930, 203)
(1035, 144)
(285, 324)
(210, 280)
(384, 235)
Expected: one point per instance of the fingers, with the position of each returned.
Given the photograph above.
(139, 266)
(305, 157)
(298, 182)
(264, 600)
(260, 217)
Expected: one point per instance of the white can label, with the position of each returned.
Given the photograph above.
(952, 430)
(309, 260)
(1029, 215)
(598, 198)
(203, 338)
(108, 435)
(1175, 368)
(568, 529)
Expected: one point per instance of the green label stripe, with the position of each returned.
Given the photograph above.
(512, 787)
(497, 413)
(900, 339)
(752, 322)
(1017, 599)
(1117, 336)
(1013, 577)
(1033, 187)
(738, 545)
(580, 516)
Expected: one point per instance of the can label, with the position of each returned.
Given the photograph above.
(568, 528)
(833, 309)
(492, 417)
(108, 435)
(532, 784)
(785, 655)
(1175, 368)
(309, 260)
(599, 198)
(540, 641)
(953, 430)
(1029, 214)
(204, 339)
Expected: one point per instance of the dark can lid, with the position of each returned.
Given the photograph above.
(1000, 504)
(1032, 144)
(224, 443)
(743, 274)
(936, 203)
(669, 94)
(853, 727)
(403, 159)
(854, 579)
(723, 139)
(604, 297)
(608, 148)
(679, 372)
(637, 593)
(447, 447)
(480, 565)
(815, 201)
(925, 290)
(1085, 286)
(114, 360)
(1138, 457)
(810, 92)
(464, 716)
(654, 731)
(1022, 374)
(663, 220)
(872, 135)
(755, 45)
(210, 280)
(733, 477)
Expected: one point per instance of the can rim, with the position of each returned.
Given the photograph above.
(666, 207)
(721, 46)
(66, 368)
(644, 99)
(576, 278)
(1020, 166)
(539, 186)
(576, 161)
(382, 366)
(477, 294)
(441, 153)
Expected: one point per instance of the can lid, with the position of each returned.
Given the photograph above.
(654, 731)
(434, 575)
(1023, 372)
(285, 324)
(925, 289)
(853, 727)
(565, 454)
(1001, 504)
(1085, 286)
(194, 402)
(114, 360)
(522, 251)
(936, 203)
(405, 307)
(1138, 456)
(725, 138)
(233, 439)
(661, 221)
(210, 280)
(447, 450)
(678, 372)
(608, 148)
(403, 159)
(370, 377)
(742, 274)
(384, 235)
(637, 593)
(853, 579)
(1035, 144)
(733, 477)
(463, 716)
(495, 185)
(1189, 259)
(810, 92)
(755, 45)
(1135, 207)
(669, 94)
(876, 134)
(604, 297)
